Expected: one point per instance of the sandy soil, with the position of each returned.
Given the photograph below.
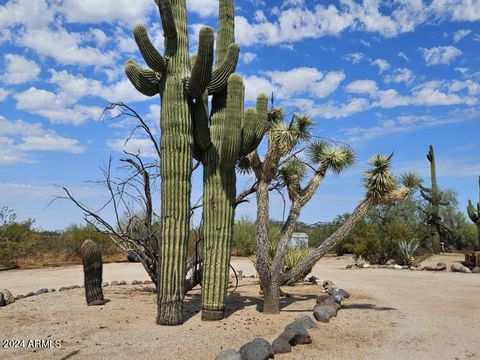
(393, 314)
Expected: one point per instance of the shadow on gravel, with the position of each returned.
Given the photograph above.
(367, 307)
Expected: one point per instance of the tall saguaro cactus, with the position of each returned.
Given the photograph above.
(435, 198)
(474, 215)
(92, 270)
(183, 85)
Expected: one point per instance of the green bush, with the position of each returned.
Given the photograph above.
(244, 237)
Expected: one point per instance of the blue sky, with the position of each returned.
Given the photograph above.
(383, 78)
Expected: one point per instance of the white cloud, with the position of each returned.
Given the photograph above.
(33, 14)
(204, 8)
(354, 58)
(133, 145)
(460, 34)
(382, 64)
(3, 94)
(19, 69)
(457, 10)
(362, 87)
(248, 57)
(18, 138)
(93, 11)
(403, 56)
(400, 75)
(440, 54)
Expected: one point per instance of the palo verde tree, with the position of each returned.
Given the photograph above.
(282, 164)
(435, 198)
(474, 215)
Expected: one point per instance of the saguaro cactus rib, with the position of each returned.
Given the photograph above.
(92, 270)
(145, 81)
(152, 57)
(167, 18)
(254, 125)
(202, 68)
(222, 72)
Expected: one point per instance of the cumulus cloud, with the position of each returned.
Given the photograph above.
(440, 54)
(382, 64)
(18, 138)
(460, 34)
(354, 58)
(19, 69)
(248, 57)
(134, 146)
(3, 94)
(204, 8)
(400, 75)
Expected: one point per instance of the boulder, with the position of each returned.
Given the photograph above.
(405, 267)
(8, 297)
(300, 334)
(366, 266)
(136, 282)
(122, 282)
(41, 291)
(327, 284)
(63, 288)
(230, 354)
(397, 267)
(257, 349)
(338, 291)
(321, 315)
(307, 321)
(325, 299)
(458, 267)
(476, 270)
(441, 266)
(105, 284)
(391, 262)
(73, 287)
(132, 256)
(330, 309)
(31, 293)
(113, 283)
(51, 290)
(281, 344)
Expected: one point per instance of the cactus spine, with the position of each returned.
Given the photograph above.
(474, 215)
(435, 198)
(221, 141)
(92, 270)
(182, 89)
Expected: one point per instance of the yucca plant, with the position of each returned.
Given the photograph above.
(407, 250)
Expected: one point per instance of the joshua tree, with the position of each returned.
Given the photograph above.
(92, 270)
(281, 163)
(474, 215)
(436, 198)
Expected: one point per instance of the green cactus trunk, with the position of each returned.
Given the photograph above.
(474, 215)
(92, 270)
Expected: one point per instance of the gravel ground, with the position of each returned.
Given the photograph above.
(392, 314)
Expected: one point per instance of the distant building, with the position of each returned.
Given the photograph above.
(298, 239)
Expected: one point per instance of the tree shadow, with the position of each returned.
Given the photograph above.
(367, 307)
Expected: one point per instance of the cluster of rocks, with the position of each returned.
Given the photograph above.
(295, 333)
(441, 266)
(6, 297)
(459, 267)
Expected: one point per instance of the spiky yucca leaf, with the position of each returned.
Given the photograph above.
(410, 180)
(333, 158)
(292, 173)
(275, 115)
(303, 124)
(379, 181)
(284, 136)
(244, 165)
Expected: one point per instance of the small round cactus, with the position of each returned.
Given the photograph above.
(92, 270)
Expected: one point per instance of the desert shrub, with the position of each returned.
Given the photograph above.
(70, 241)
(407, 251)
(293, 256)
(244, 237)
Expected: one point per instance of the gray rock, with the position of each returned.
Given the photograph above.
(51, 290)
(321, 315)
(458, 267)
(391, 266)
(420, 268)
(2, 300)
(405, 267)
(338, 299)
(31, 293)
(73, 287)
(300, 334)
(41, 291)
(257, 349)
(391, 262)
(441, 266)
(307, 321)
(63, 288)
(413, 268)
(397, 267)
(325, 299)
(230, 354)
(330, 309)
(366, 266)
(281, 344)
(327, 284)
(105, 284)
(18, 297)
(113, 283)
(337, 291)
(146, 282)
(476, 270)
(136, 282)
(8, 297)
(122, 282)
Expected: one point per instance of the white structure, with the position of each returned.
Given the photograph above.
(298, 239)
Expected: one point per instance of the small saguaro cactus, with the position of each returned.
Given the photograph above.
(181, 83)
(92, 270)
(474, 215)
(435, 198)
